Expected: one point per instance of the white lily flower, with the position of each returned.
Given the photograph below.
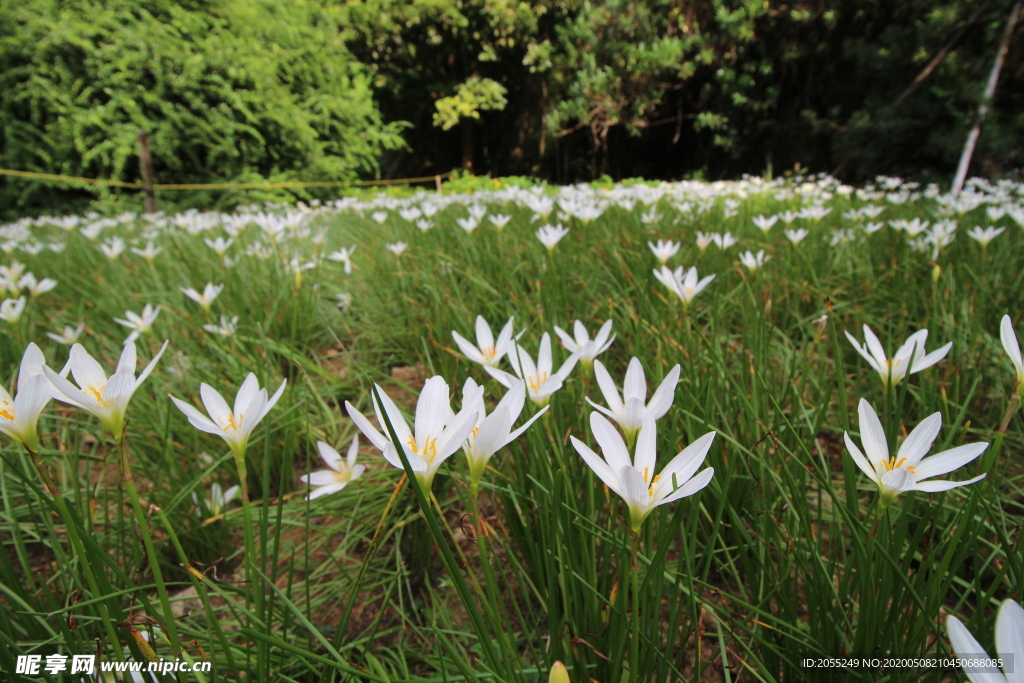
(580, 343)
(69, 335)
(724, 240)
(469, 223)
(234, 425)
(499, 221)
(36, 287)
(635, 482)
(540, 381)
(11, 309)
(753, 261)
(906, 471)
(1009, 645)
(983, 237)
(106, 398)
(631, 407)
(1012, 348)
(139, 324)
(343, 256)
(210, 292)
(227, 327)
(220, 245)
(899, 365)
(341, 471)
(683, 283)
(113, 247)
(704, 241)
(19, 416)
(488, 351)
(492, 432)
(550, 235)
(218, 500)
(397, 248)
(664, 250)
(796, 236)
(765, 224)
(439, 432)
(149, 253)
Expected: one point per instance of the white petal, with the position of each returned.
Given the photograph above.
(635, 385)
(920, 441)
(859, 459)
(871, 434)
(965, 645)
(599, 466)
(368, 430)
(950, 460)
(1012, 347)
(1010, 638)
(331, 457)
(612, 446)
(662, 399)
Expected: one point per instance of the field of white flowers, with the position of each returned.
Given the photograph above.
(656, 432)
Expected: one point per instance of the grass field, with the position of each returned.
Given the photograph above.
(119, 541)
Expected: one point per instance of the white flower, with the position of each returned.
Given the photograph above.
(540, 381)
(439, 431)
(218, 500)
(69, 336)
(397, 248)
(753, 261)
(635, 481)
(469, 223)
(219, 245)
(765, 224)
(983, 237)
(227, 327)
(11, 309)
(487, 351)
(550, 235)
(149, 253)
(113, 247)
(906, 471)
(344, 301)
(341, 470)
(1009, 645)
(630, 409)
(34, 287)
(379, 216)
(1012, 347)
(899, 365)
(139, 324)
(234, 425)
(664, 250)
(492, 432)
(106, 398)
(795, 236)
(724, 240)
(704, 241)
(344, 256)
(580, 343)
(683, 283)
(499, 221)
(424, 224)
(210, 292)
(19, 416)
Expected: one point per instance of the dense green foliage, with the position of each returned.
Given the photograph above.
(568, 90)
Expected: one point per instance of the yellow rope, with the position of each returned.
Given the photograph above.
(219, 186)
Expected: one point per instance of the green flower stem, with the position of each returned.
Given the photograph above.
(634, 575)
(147, 539)
(250, 559)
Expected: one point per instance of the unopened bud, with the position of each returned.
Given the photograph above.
(559, 674)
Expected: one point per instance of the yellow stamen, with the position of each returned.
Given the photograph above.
(429, 448)
(891, 464)
(231, 422)
(650, 489)
(488, 352)
(537, 381)
(6, 413)
(97, 395)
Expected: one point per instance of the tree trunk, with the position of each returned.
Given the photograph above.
(467, 144)
(990, 91)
